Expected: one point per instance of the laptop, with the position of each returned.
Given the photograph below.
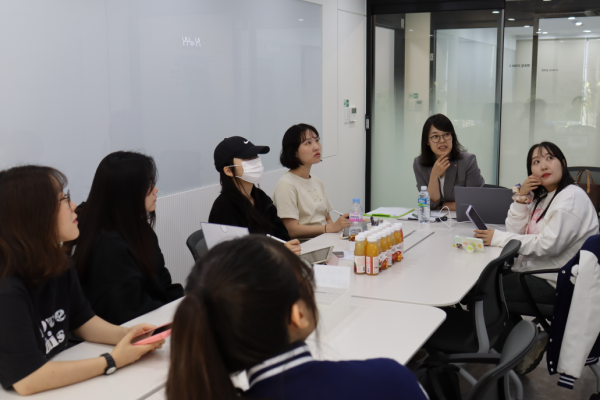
(492, 204)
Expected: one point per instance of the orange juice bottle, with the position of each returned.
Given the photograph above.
(394, 244)
(399, 236)
(360, 252)
(372, 256)
(390, 248)
(382, 250)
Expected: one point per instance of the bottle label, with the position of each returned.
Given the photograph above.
(359, 264)
(372, 265)
(383, 261)
(394, 253)
(390, 260)
(355, 217)
(423, 202)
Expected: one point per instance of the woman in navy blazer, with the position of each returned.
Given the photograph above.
(444, 163)
(249, 306)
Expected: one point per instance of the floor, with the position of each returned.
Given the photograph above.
(538, 384)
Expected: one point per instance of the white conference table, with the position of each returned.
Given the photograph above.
(431, 273)
(135, 381)
(372, 329)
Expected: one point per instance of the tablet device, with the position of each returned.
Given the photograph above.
(318, 256)
(474, 217)
(155, 335)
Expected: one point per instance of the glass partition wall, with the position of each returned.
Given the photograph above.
(506, 78)
(424, 64)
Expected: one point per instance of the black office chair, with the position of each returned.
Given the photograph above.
(493, 186)
(197, 244)
(476, 330)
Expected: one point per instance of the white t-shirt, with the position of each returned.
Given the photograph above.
(302, 199)
(442, 180)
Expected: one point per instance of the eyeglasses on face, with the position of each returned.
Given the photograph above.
(436, 138)
(67, 197)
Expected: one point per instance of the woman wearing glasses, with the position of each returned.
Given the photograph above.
(120, 265)
(444, 163)
(41, 302)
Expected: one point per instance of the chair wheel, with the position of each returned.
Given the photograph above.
(595, 396)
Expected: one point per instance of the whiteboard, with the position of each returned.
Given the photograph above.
(170, 78)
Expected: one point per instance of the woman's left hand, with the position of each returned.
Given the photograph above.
(486, 235)
(294, 246)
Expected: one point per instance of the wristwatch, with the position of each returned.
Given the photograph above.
(112, 366)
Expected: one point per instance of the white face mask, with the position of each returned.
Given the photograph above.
(253, 171)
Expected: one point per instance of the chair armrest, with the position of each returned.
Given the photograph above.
(537, 312)
(471, 358)
(541, 271)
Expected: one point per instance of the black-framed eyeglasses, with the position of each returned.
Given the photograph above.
(436, 138)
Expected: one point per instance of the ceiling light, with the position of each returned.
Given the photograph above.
(527, 26)
(511, 19)
(495, 12)
(300, 20)
(410, 30)
(544, 33)
(571, 18)
(587, 31)
(578, 23)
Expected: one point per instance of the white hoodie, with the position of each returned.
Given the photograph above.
(569, 221)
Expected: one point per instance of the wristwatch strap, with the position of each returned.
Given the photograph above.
(112, 366)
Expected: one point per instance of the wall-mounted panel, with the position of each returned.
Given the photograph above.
(185, 74)
(54, 87)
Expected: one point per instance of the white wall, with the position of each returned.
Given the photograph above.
(53, 50)
(343, 167)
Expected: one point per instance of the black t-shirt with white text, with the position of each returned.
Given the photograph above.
(36, 321)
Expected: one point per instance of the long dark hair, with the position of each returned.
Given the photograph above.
(232, 188)
(235, 315)
(117, 201)
(442, 123)
(29, 241)
(292, 139)
(541, 192)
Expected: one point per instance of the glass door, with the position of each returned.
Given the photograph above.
(561, 57)
(428, 63)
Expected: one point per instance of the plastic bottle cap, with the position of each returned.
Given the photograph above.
(372, 239)
(423, 188)
(360, 237)
(356, 200)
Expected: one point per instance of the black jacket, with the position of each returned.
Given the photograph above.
(226, 211)
(117, 287)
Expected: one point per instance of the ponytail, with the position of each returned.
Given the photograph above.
(197, 369)
(235, 315)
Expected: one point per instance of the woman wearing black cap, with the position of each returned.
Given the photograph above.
(241, 203)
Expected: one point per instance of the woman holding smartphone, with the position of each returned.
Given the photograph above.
(444, 163)
(250, 306)
(118, 258)
(300, 197)
(41, 302)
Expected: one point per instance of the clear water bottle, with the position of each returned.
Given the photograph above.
(356, 217)
(424, 205)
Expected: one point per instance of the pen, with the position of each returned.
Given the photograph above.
(337, 212)
(276, 238)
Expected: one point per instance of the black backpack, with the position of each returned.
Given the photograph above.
(440, 380)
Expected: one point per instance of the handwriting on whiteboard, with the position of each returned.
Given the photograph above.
(189, 41)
